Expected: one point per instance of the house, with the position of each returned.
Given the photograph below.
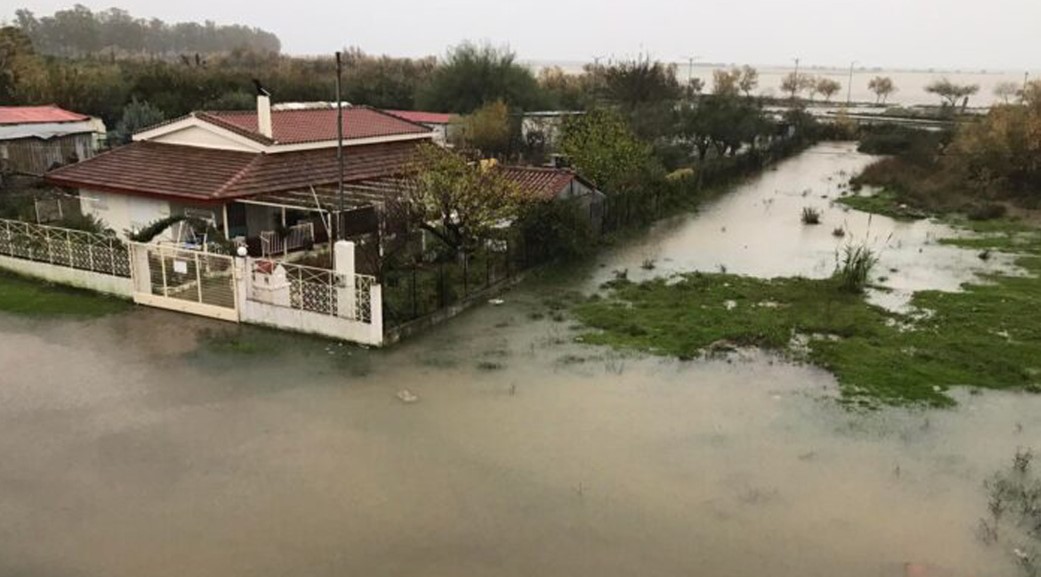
(543, 128)
(259, 176)
(440, 123)
(35, 138)
(560, 185)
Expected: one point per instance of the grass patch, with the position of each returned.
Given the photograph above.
(885, 203)
(988, 336)
(24, 296)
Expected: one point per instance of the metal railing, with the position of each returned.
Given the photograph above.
(310, 289)
(65, 247)
(297, 237)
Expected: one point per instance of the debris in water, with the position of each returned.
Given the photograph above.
(496, 302)
(406, 396)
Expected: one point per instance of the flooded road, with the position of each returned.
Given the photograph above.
(155, 444)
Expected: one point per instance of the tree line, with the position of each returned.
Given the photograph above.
(79, 32)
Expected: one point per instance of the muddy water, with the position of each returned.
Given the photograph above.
(136, 445)
(757, 231)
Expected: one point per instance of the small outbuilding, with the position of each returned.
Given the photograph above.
(34, 139)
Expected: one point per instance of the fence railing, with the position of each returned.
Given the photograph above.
(311, 289)
(65, 247)
(297, 237)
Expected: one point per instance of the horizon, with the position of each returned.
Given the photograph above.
(943, 37)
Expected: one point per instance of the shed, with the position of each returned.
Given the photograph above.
(34, 139)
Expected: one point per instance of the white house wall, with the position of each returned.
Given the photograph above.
(122, 212)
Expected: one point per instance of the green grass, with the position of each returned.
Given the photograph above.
(988, 336)
(884, 202)
(23, 296)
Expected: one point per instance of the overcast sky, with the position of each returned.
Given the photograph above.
(992, 34)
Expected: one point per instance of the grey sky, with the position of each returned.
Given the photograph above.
(995, 34)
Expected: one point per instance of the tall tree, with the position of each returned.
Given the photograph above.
(828, 87)
(487, 130)
(605, 150)
(458, 202)
(952, 93)
(1006, 91)
(473, 75)
(882, 86)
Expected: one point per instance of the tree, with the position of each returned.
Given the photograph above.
(458, 202)
(17, 61)
(1006, 91)
(828, 88)
(793, 83)
(726, 83)
(473, 75)
(882, 86)
(952, 93)
(808, 83)
(749, 80)
(1001, 153)
(487, 130)
(137, 115)
(641, 81)
(605, 150)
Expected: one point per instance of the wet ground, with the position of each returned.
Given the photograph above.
(153, 443)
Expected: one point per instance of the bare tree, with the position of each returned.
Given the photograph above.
(952, 93)
(1007, 90)
(828, 88)
(882, 86)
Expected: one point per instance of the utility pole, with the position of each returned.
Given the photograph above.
(849, 87)
(339, 146)
(690, 69)
(795, 79)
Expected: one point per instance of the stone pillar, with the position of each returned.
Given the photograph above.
(343, 264)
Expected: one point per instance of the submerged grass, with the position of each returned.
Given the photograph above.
(24, 296)
(987, 336)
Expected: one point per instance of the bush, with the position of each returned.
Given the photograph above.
(986, 211)
(811, 215)
(855, 267)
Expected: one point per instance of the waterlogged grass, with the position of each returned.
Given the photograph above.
(987, 336)
(884, 202)
(22, 296)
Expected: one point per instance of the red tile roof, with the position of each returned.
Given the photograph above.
(169, 170)
(422, 117)
(38, 114)
(539, 182)
(314, 124)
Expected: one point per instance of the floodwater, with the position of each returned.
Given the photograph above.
(910, 84)
(137, 445)
(757, 230)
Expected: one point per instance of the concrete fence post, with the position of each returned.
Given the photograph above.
(343, 265)
(376, 314)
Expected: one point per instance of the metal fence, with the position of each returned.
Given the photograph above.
(310, 289)
(416, 289)
(65, 247)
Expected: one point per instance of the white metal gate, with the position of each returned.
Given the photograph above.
(185, 280)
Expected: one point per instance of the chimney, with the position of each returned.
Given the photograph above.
(263, 110)
(264, 115)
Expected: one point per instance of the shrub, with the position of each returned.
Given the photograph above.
(811, 215)
(855, 267)
(986, 211)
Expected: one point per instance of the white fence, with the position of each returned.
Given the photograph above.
(297, 237)
(65, 247)
(334, 303)
(311, 289)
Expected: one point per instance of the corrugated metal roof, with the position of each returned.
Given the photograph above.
(38, 114)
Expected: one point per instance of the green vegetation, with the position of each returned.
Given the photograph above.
(23, 296)
(885, 202)
(987, 336)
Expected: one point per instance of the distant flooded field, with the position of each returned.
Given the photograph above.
(910, 84)
(152, 443)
